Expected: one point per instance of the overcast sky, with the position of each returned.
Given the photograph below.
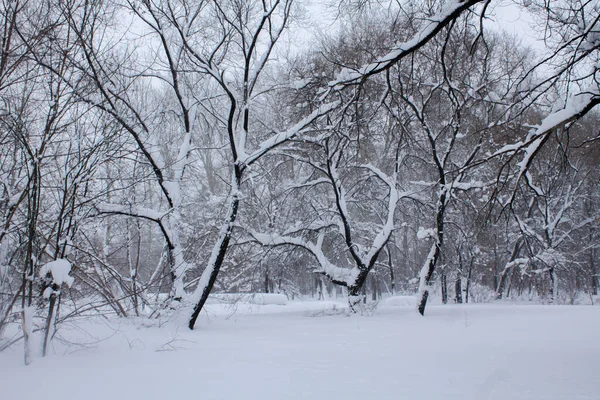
(502, 15)
(514, 20)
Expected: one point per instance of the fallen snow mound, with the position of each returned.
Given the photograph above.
(401, 301)
(252, 298)
(59, 269)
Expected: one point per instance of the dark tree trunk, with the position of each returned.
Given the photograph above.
(374, 288)
(458, 290)
(468, 285)
(504, 274)
(553, 285)
(511, 281)
(266, 288)
(520, 288)
(221, 250)
(444, 288)
(496, 282)
(593, 273)
(391, 267)
(501, 285)
(356, 292)
(423, 302)
(49, 320)
(30, 269)
(437, 249)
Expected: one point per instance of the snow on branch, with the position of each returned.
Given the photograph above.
(386, 231)
(132, 211)
(527, 230)
(576, 107)
(282, 137)
(449, 12)
(310, 183)
(470, 185)
(344, 276)
(567, 234)
(522, 263)
(59, 270)
(380, 174)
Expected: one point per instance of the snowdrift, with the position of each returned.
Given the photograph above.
(252, 298)
(401, 301)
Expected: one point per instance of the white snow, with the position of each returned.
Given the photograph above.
(575, 105)
(251, 298)
(305, 351)
(423, 233)
(467, 185)
(300, 83)
(28, 313)
(401, 301)
(59, 269)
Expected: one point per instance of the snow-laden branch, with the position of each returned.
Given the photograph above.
(364, 260)
(552, 222)
(343, 276)
(274, 35)
(449, 12)
(470, 185)
(282, 137)
(522, 262)
(386, 231)
(315, 226)
(528, 230)
(559, 239)
(576, 107)
(310, 183)
(60, 271)
(132, 211)
(424, 272)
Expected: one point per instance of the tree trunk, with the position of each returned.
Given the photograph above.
(504, 274)
(266, 287)
(319, 286)
(134, 261)
(49, 322)
(554, 287)
(356, 292)
(391, 268)
(444, 282)
(468, 285)
(501, 284)
(29, 272)
(373, 288)
(434, 253)
(210, 273)
(593, 273)
(458, 290)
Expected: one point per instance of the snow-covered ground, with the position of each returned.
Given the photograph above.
(304, 350)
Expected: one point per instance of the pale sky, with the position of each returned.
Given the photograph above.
(502, 15)
(506, 16)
